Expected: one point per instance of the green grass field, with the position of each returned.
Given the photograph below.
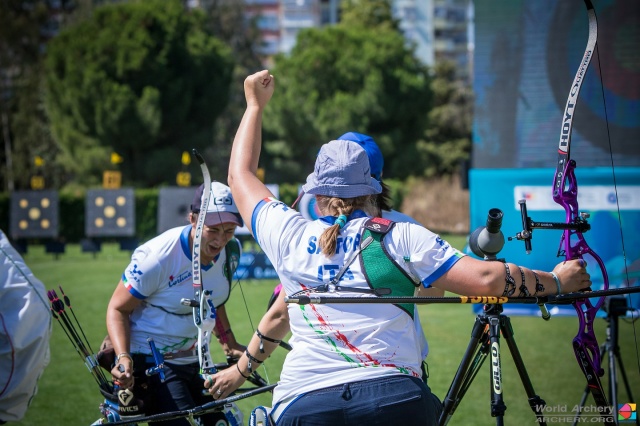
(68, 395)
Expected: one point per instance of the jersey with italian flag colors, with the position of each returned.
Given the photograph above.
(340, 343)
(160, 274)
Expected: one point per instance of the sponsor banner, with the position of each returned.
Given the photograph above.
(255, 266)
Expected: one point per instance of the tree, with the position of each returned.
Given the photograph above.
(227, 21)
(347, 77)
(447, 141)
(144, 79)
(368, 13)
(22, 122)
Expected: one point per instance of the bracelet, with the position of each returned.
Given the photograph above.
(268, 339)
(509, 282)
(124, 355)
(524, 291)
(240, 371)
(539, 287)
(251, 359)
(557, 280)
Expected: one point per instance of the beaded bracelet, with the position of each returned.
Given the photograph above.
(124, 355)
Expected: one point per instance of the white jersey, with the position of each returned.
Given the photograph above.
(25, 329)
(160, 274)
(396, 216)
(339, 343)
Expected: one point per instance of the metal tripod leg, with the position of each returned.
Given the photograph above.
(485, 339)
(472, 360)
(613, 349)
(535, 402)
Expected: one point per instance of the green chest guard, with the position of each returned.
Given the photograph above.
(380, 269)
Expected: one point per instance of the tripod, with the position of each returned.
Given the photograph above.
(487, 241)
(485, 339)
(614, 307)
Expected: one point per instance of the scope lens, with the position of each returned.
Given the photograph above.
(494, 221)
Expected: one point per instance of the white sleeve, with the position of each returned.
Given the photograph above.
(425, 254)
(273, 225)
(143, 275)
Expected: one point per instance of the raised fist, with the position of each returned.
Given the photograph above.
(258, 88)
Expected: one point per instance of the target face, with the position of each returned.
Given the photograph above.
(110, 213)
(34, 214)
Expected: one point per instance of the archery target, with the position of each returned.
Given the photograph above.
(307, 207)
(174, 204)
(34, 214)
(110, 213)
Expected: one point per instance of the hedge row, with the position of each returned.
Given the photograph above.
(72, 205)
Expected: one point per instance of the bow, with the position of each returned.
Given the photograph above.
(204, 314)
(204, 317)
(572, 244)
(204, 311)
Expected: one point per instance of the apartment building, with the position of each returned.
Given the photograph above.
(439, 29)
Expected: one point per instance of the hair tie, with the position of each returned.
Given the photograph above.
(341, 221)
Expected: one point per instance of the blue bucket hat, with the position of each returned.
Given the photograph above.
(376, 160)
(342, 170)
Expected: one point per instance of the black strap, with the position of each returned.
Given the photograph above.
(268, 339)
(251, 360)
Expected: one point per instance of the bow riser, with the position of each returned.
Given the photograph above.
(208, 323)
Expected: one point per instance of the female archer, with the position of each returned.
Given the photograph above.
(352, 363)
(147, 303)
